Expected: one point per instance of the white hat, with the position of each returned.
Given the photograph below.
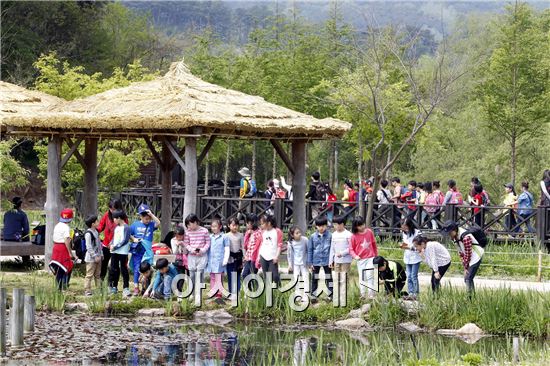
(276, 183)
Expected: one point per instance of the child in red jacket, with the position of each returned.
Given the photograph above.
(363, 249)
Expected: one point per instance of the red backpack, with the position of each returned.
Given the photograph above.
(352, 197)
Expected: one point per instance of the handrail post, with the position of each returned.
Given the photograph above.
(279, 211)
(541, 224)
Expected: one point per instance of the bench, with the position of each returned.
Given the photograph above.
(23, 248)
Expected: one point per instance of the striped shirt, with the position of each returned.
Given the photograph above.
(197, 239)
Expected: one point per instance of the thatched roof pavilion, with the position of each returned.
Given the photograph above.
(16, 101)
(176, 105)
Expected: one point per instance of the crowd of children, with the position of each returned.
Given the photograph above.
(226, 252)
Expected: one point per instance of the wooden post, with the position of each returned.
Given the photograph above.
(191, 176)
(16, 317)
(3, 321)
(166, 199)
(253, 172)
(29, 313)
(89, 193)
(53, 194)
(299, 184)
(515, 347)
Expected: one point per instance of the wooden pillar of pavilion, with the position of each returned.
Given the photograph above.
(191, 177)
(299, 184)
(89, 193)
(166, 200)
(53, 193)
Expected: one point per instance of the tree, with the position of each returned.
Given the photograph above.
(12, 174)
(514, 92)
(393, 94)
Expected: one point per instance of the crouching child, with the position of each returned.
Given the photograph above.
(162, 283)
(392, 274)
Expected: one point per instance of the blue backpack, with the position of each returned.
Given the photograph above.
(252, 190)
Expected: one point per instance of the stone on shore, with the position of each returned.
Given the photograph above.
(353, 324)
(410, 327)
(151, 312)
(76, 306)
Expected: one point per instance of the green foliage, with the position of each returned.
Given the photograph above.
(386, 312)
(12, 174)
(514, 89)
(100, 36)
(422, 362)
(472, 359)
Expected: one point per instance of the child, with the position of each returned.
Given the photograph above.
(94, 255)
(363, 249)
(62, 259)
(197, 243)
(235, 263)
(162, 284)
(270, 248)
(218, 256)
(297, 259)
(393, 275)
(252, 243)
(146, 273)
(339, 257)
(436, 256)
(411, 257)
(120, 247)
(178, 248)
(318, 250)
(453, 195)
(141, 234)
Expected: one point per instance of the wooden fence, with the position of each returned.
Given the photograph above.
(499, 223)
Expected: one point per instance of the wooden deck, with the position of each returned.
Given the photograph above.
(25, 248)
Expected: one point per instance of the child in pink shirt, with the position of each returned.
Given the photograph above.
(363, 249)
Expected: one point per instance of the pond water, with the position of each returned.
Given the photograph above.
(256, 344)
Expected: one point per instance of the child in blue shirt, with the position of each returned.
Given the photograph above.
(218, 256)
(141, 234)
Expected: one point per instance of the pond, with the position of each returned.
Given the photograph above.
(242, 344)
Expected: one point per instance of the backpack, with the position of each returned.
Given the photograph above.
(478, 234)
(486, 201)
(320, 192)
(39, 235)
(251, 189)
(352, 197)
(456, 198)
(79, 244)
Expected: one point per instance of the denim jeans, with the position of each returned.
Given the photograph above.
(233, 267)
(469, 276)
(249, 268)
(525, 216)
(412, 278)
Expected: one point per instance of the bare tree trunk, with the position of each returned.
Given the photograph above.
(226, 172)
(335, 164)
(206, 173)
(388, 172)
(254, 160)
(360, 176)
(274, 174)
(330, 163)
(514, 158)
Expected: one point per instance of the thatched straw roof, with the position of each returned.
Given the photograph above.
(176, 103)
(17, 101)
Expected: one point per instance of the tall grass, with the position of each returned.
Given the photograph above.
(496, 311)
(49, 297)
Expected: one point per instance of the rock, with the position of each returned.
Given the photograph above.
(213, 314)
(353, 323)
(410, 306)
(76, 306)
(469, 328)
(151, 312)
(410, 327)
(446, 332)
(358, 313)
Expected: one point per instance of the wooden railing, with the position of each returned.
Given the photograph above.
(496, 221)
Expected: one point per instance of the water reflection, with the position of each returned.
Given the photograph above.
(246, 345)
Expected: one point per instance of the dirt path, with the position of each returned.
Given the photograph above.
(456, 281)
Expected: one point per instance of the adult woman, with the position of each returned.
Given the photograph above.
(107, 226)
(411, 257)
(16, 223)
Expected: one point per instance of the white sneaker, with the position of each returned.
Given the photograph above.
(126, 292)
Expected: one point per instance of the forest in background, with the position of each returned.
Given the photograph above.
(454, 94)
